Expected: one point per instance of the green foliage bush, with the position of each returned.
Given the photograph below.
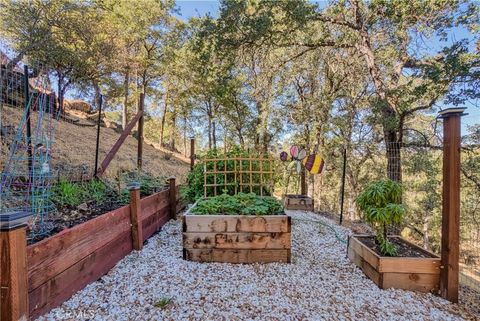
(68, 194)
(194, 189)
(381, 206)
(240, 204)
(148, 184)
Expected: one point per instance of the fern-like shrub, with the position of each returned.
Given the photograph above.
(381, 206)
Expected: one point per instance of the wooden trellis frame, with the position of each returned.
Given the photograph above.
(239, 163)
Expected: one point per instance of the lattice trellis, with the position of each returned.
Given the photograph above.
(238, 174)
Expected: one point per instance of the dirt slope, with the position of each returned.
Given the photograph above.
(74, 148)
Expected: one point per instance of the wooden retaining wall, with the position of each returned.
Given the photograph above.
(65, 263)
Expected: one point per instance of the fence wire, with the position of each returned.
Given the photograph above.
(420, 168)
(27, 171)
(422, 180)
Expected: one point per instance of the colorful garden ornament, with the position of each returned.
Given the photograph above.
(314, 164)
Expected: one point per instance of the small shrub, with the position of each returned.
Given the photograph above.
(148, 184)
(96, 190)
(381, 205)
(67, 194)
(194, 189)
(242, 203)
(73, 194)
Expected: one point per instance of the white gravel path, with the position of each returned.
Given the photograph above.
(319, 284)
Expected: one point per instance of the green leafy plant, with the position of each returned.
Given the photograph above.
(194, 189)
(148, 184)
(163, 302)
(240, 204)
(67, 194)
(96, 190)
(381, 205)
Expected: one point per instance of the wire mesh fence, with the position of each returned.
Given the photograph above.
(27, 171)
(47, 158)
(421, 174)
(419, 166)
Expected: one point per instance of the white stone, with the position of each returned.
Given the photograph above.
(320, 284)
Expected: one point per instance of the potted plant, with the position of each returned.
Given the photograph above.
(390, 261)
(242, 228)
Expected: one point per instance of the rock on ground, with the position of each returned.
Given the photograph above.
(320, 284)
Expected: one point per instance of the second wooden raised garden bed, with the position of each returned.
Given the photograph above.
(421, 273)
(298, 202)
(237, 238)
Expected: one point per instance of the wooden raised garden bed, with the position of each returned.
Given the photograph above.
(60, 265)
(298, 202)
(237, 238)
(420, 273)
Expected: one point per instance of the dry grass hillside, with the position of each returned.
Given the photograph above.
(74, 148)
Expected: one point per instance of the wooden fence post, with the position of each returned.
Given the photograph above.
(97, 145)
(451, 203)
(192, 153)
(141, 107)
(173, 198)
(303, 182)
(13, 274)
(136, 217)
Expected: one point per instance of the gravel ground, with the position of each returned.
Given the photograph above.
(319, 284)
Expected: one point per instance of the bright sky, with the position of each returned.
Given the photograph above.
(198, 8)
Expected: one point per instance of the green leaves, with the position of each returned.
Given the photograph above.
(67, 194)
(240, 204)
(386, 247)
(381, 206)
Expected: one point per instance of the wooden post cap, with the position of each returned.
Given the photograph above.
(13, 220)
(133, 186)
(452, 111)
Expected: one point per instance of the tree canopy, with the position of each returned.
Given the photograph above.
(364, 76)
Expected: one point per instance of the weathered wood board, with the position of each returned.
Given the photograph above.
(237, 238)
(237, 256)
(407, 273)
(298, 202)
(13, 280)
(236, 224)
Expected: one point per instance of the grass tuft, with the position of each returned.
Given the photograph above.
(163, 303)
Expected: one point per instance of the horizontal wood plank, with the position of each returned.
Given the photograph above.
(409, 265)
(237, 240)
(299, 207)
(237, 256)
(180, 206)
(369, 270)
(55, 254)
(364, 252)
(422, 282)
(154, 222)
(154, 203)
(236, 223)
(61, 287)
